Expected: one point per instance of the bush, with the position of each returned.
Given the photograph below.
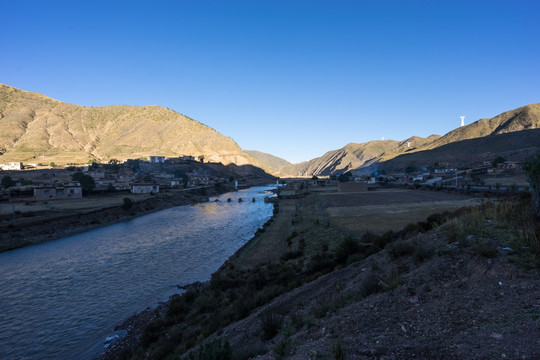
(87, 182)
(401, 248)
(370, 285)
(128, 204)
(390, 280)
(213, 350)
(271, 323)
(7, 181)
(346, 248)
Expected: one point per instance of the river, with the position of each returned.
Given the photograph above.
(62, 299)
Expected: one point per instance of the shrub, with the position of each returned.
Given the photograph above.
(337, 350)
(321, 262)
(213, 350)
(422, 253)
(346, 248)
(390, 280)
(401, 248)
(271, 322)
(291, 255)
(521, 223)
(128, 204)
(7, 181)
(370, 285)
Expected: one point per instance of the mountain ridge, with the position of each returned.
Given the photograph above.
(36, 127)
(377, 153)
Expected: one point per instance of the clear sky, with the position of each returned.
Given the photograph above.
(291, 78)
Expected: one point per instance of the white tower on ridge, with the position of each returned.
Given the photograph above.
(462, 120)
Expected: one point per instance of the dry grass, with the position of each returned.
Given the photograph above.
(393, 209)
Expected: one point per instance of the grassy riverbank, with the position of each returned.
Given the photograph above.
(309, 286)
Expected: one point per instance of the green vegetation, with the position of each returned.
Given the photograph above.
(498, 160)
(127, 204)
(7, 181)
(87, 182)
(531, 167)
(345, 177)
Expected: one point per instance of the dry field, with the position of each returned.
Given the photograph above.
(388, 209)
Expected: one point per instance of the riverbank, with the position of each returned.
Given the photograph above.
(316, 287)
(56, 220)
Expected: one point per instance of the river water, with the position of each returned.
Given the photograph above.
(62, 299)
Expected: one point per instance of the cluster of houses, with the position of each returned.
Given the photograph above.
(151, 176)
(448, 176)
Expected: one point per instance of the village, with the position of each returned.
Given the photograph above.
(21, 183)
(32, 182)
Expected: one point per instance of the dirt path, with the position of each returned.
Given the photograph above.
(270, 245)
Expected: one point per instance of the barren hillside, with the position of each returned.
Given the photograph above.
(510, 134)
(35, 128)
(354, 156)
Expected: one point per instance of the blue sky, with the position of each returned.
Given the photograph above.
(291, 78)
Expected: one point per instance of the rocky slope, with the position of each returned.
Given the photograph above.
(523, 118)
(354, 156)
(270, 161)
(396, 155)
(35, 128)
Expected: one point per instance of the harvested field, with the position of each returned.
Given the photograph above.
(389, 209)
(388, 196)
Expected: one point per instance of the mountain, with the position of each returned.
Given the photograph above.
(272, 162)
(512, 134)
(36, 128)
(523, 118)
(511, 146)
(354, 156)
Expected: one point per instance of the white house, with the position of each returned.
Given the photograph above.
(12, 166)
(144, 188)
(71, 191)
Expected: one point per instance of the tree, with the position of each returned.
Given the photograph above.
(7, 181)
(498, 160)
(531, 168)
(52, 164)
(345, 177)
(87, 182)
(128, 203)
(201, 158)
(314, 177)
(410, 169)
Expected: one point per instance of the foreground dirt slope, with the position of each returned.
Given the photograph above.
(455, 305)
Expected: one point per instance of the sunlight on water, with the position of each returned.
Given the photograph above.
(60, 300)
